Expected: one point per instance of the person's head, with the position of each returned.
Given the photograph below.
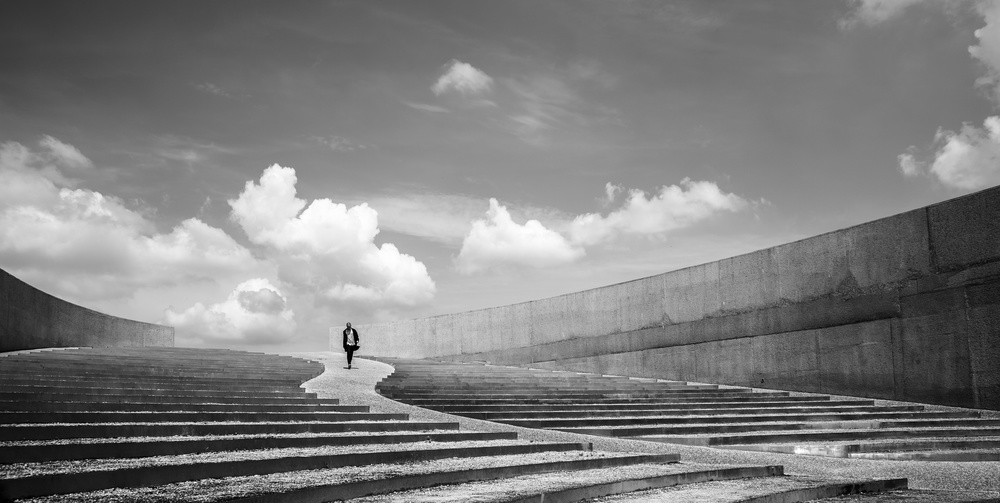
(348, 324)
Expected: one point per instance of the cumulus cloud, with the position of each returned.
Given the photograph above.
(674, 207)
(872, 12)
(987, 51)
(86, 245)
(498, 242)
(968, 159)
(462, 78)
(254, 313)
(326, 248)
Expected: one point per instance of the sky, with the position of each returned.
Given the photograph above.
(254, 173)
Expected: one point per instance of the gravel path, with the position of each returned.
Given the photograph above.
(357, 387)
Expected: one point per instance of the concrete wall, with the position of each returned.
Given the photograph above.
(31, 318)
(906, 308)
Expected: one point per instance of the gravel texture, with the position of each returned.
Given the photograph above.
(357, 387)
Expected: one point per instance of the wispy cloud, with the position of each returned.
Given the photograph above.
(340, 144)
(427, 108)
(547, 100)
(872, 12)
(214, 89)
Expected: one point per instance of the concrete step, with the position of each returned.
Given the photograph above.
(653, 406)
(16, 384)
(60, 397)
(945, 449)
(9, 391)
(84, 479)
(726, 418)
(765, 490)
(337, 484)
(586, 412)
(576, 486)
(63, 431)
(24, 406)
(773, 437)
(33, 452)
(187, 417)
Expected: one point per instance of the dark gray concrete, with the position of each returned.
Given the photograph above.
(31, 318)
(903, 308)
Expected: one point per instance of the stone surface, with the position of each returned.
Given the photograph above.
(30, 318)
(904, 307)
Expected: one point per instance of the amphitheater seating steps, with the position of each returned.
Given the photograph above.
(173, 424)
(703, 415)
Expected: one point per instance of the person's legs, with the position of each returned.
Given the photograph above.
(350, 355)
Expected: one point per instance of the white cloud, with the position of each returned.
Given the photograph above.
(436, 217)
(210, 88)
(610, 192)
(968, 159)
(65, 154)
(254, 313)
(872, 12)
(499, 242)
(673, 208)
(908, 164)
(84, 245)
(326, 248)
(427, 108)
(462, 78)
(987, 52)
(340, 144)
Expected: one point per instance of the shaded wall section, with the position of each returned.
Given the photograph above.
(31, 318)
(905, 308)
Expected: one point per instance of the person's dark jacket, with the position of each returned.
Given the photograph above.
(356, 338)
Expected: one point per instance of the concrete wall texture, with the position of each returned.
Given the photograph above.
(904, 308)
(31, 318)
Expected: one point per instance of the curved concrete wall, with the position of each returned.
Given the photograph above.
(31, 318)
(906, 308)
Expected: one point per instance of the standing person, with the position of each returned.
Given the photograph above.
(351, 342)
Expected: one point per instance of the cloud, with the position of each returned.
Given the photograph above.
(987, 51)
(254, 313)
(499, 242)
(427, 108)
(462, 78)
(327, 249)
(551, 99)
(968, 159)
(210, 88)
(65, 154)
(908, 164)
(872, 12)
(340, 144)
(674, 207)
(86, 245)
(441, 218)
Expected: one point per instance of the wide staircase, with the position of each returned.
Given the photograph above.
(169, 424)
(172, 424)
(694, 414)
